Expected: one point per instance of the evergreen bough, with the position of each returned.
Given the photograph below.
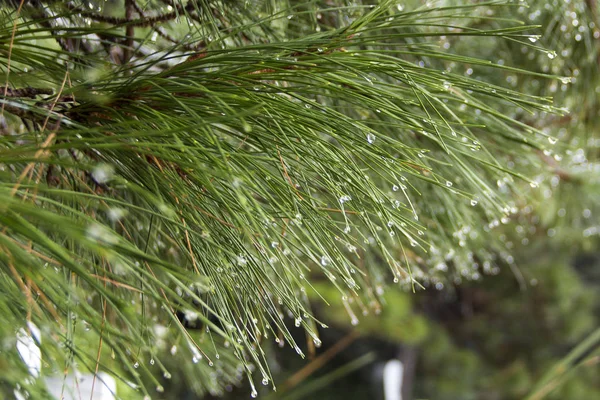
(174, 165)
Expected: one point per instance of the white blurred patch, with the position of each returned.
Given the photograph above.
(79, 386)
(392, 380)
(27, 346)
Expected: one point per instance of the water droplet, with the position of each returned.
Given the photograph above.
(324, 260)
(395, 188)
(254, 393)
(565, 79)
(297, 322)
(167, 375)
(152, 361)
(448, 183)
(552, 139)
(265, 381)
(370, 138)
(115, 214)
(274, 244)
(587, 213)
(160, 389)
(551, 55)
(173, 350)
(473, 202)
(344, 199)
(101, 233)
(136, 364)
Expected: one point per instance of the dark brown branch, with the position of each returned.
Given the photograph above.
(27, 92)
(139, 22)
(28, 114)
(129, 31)
(138, 9)
(40, 15)
(163, 33)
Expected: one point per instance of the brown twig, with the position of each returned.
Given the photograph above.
(318, 362)
(24, 288)
(189, 245)
(99, 348)
(42, 151)
(26, 92)
(115, 283)
(287, 176)
(129, 31)
(129, 21)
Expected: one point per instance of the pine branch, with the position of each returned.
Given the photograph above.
(219, 186)
(27, 92)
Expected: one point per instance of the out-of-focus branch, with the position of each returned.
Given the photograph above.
(129, 20)
(129, 31)
(41, 15)
(27, 92)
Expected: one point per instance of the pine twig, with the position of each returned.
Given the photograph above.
(27, 92)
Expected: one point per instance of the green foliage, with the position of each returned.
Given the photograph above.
(393, 320)
(212, 160)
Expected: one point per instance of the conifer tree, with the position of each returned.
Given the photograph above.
(176, 174)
